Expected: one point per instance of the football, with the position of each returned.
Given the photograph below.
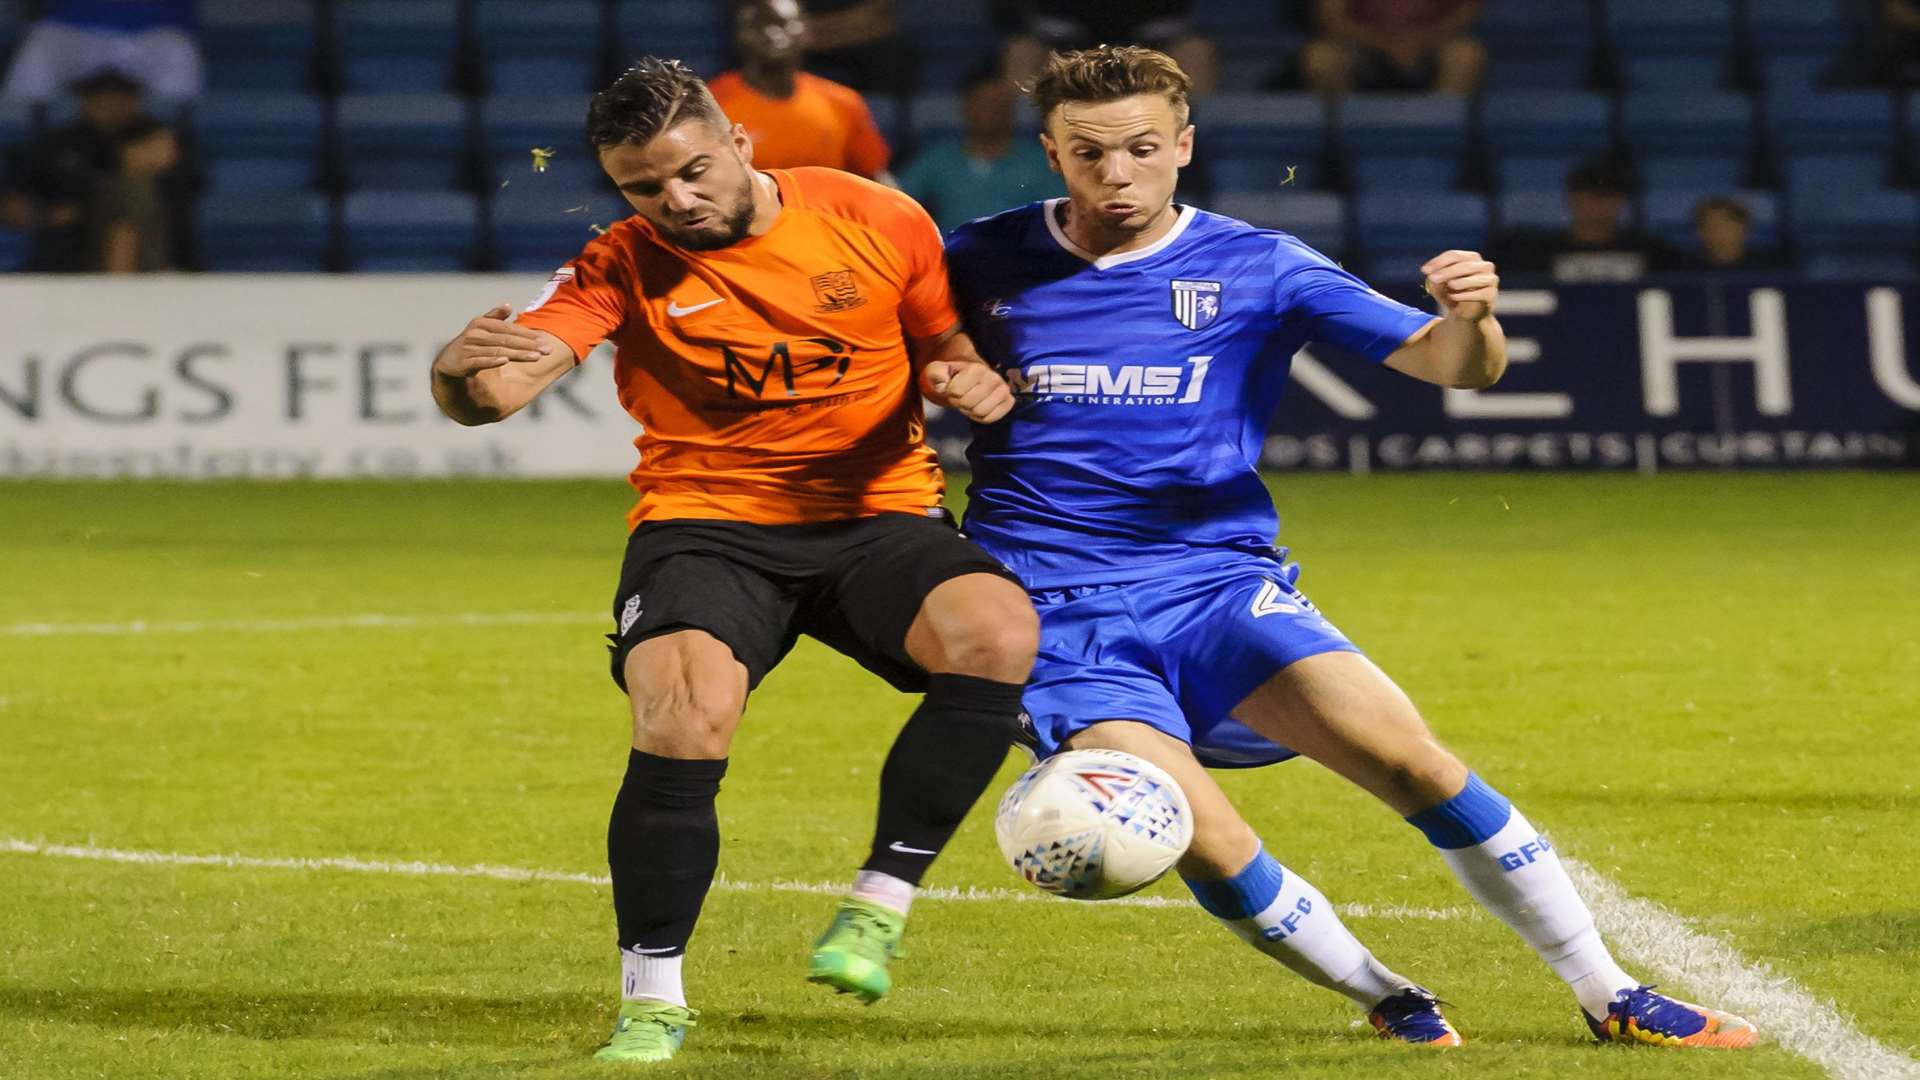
(1093, 824)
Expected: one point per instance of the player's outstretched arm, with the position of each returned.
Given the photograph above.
(1465, 349)
(494, 367)
(953, 375)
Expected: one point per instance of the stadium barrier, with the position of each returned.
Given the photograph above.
(289, 376)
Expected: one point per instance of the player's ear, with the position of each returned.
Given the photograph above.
(1053, 152)
(1183, 147)
(742, 142)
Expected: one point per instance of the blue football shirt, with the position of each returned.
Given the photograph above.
(1145, 383)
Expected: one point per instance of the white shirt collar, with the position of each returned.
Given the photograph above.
(1184, 216)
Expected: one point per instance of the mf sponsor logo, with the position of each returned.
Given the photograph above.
(1113, 384)
(1524, 854)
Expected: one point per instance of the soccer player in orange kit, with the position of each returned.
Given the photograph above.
(774, 333)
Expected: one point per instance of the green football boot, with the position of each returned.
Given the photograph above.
(647, 1031)
(852, 955)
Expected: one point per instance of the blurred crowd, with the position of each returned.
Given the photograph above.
(109, 180)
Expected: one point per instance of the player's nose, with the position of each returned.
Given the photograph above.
(679, 197)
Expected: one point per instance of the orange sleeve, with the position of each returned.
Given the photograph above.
(585, 300)
(927, 308)
(867, 150)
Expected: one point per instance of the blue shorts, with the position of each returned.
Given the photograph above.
(1176, 652)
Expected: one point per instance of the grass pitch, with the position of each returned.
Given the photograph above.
(1703, 686)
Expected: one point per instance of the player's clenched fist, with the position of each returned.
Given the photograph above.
(975, 390)
(490, 341)
(1463, 283)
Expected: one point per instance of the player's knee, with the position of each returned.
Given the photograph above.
(1221, 847)
(998, 644)
(1421, 774)
(685, 719)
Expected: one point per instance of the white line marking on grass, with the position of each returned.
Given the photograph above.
(970, 894)
(321, 622)
(1649, 935)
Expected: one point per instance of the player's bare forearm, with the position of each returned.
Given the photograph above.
(1465, 348)
(953, 376)
(494, 368)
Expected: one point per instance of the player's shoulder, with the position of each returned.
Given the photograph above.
(1230, 234)
(838, 93)
(995, 232)
(841, 194)
(726, 83)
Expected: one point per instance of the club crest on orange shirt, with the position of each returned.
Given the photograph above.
(836, 291)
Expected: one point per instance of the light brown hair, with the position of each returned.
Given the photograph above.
(1109, 73)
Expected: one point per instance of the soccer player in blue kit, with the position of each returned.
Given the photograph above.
(1148, 343)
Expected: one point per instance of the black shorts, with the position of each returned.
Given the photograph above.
(856, 585)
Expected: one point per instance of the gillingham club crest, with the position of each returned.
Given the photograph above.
(1196, 303)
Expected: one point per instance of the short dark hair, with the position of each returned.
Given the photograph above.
(647, 99)
(1109, 73)
(1734, 208)
(1604, 174)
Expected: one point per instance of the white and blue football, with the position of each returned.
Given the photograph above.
(1093, 824)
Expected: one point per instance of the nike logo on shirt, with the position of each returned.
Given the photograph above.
(674, 310)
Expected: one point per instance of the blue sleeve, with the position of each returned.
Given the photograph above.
(1338, 308)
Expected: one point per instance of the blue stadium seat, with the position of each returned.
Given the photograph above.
(388, 48)
(411, 230)
(1670, 26)
(1317, 217)
(1548, 122)
(1836, 176)
(259, 125)
(1797, 73)
(1251, 140)
(1877, 222)
(227, 174)
(1796, 26)
(1668, 213)
(539, 228)
(258, 45)
(1695, 139)
(1539, 172)
(541, 48)
(1671, 74)
(1541, 209)
(511, 126)
(695, 31)
(1532, 72)
(1541, 45)
(404, 140)
(265, 231)
(1403, 141)
(1400, 230)
(1829, 121)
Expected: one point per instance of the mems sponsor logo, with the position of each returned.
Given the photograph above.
(1107, 384)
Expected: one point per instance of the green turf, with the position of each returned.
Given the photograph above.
(1704, 686)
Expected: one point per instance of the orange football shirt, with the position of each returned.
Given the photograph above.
(823, 123)
(771, 378)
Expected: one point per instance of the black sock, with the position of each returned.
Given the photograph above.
(945, 757)
(663, 844)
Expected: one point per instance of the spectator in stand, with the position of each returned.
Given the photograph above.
(992, 168)
(1044, 26)
(54, 184)
(129, 222)
(152, 41)
(1394, 45)
(1724, 228)
(794, 118)
(1888, 49)
(1596, 246)
(859, 43)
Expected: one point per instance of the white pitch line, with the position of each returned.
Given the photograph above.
(323, 622)
(971, 894)
(1656, 939)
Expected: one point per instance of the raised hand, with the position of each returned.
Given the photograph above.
(1464, 284)
(490, 341)
(975, 390)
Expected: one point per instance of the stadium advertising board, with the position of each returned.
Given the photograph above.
(323, 376)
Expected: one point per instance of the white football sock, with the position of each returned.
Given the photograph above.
(1515, 875)
(654, 978)
(883, 889)
(1297, 926)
